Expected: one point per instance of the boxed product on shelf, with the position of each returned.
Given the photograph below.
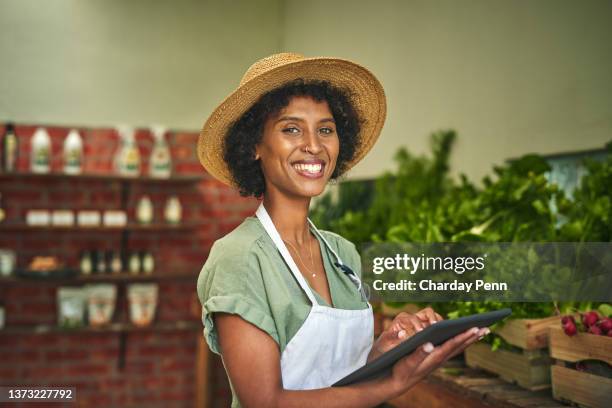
(38, 217)
(101, 299)
(115, 218)
(62, 218)
(88, 218)
(70, 307)
(143, 303)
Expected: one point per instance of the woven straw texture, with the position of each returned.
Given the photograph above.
(368, 98)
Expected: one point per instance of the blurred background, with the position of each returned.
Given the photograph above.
(99, 259)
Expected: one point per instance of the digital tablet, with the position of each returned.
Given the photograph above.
(437, 334)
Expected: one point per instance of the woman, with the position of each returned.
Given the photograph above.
(283, 302)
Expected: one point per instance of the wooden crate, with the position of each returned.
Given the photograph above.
(529, 368)
(580, 387)
(528, 334)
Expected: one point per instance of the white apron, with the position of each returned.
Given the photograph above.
(332, 342)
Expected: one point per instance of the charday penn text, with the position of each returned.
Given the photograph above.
(429, 285)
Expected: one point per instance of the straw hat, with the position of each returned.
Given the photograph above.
(368, 99)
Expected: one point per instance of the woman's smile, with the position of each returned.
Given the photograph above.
(309, 168)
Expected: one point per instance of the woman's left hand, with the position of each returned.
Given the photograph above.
(403, 326)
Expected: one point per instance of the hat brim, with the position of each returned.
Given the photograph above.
(367, 97)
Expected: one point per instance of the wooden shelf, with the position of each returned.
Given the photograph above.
(110, 278)
(20, 227)
(23, 176)
(112, 328)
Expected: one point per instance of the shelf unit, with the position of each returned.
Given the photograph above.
(21, 227)
(122, 186)
(125, 183)
(110, 328)
(19, 176)
(101, 278)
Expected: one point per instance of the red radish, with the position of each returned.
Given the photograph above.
(606, 325)
(566, 319)
(590, 318)
(569, 328)
(609, 333)
(595, 330)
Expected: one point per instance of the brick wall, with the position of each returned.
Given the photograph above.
(159, 367)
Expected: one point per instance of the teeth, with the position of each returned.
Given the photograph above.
(310, 168)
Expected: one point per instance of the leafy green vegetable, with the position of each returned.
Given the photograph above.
(419, 202)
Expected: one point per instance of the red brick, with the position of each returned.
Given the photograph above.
(134, 368)
(66, 355)
(88, 369)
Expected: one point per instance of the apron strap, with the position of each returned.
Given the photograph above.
(267, 223)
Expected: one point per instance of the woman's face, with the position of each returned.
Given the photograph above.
(299, 148)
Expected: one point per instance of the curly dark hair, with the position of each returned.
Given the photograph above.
(244, 134)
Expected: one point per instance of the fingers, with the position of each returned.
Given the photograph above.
(429, 315)
(460, 342)
(416, 358)
(483, 332)
(407, 322)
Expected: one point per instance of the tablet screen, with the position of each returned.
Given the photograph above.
(437, 334)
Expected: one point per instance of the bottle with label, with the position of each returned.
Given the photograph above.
(134, 263)
(160, 165)
(173, 210)
(2, 213)
(10, 149)
(116, 265)
(86, 265)
(40, 156)
(73, 153)
(144, 210)
(148, 263)
(101, 262)
(127, 159)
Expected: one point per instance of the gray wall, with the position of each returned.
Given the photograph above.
(510, 76)
(103, 62)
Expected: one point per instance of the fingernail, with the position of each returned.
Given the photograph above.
(419, 329)
(481, 337)
(474, 330)
(487, 331)
(401, 334)
(428, 347)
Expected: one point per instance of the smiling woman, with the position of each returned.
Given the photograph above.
(282, 302)
(275, 112)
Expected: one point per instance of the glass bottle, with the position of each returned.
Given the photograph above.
(40, 152)
(115, 264)
(127, 159)
(144, 210)
(10, 149)
(173, 210)
(134, 263)
(86, 265)
(101, 262)
(160, 164)
(148, 263)
(73, 153)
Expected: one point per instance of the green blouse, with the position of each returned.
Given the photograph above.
(246, 275)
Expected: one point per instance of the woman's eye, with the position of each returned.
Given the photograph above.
(292, 130)
(327, 131)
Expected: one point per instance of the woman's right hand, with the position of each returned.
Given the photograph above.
(416, 366)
